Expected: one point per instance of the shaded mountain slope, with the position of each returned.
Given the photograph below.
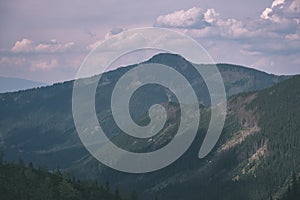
(255, 158)
(37, 125)
(18, 181)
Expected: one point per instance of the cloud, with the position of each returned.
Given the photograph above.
(277, 2)
(276, 30)
(282, 11)
(267, 42)
(222, 29)
(44, 64)
(28, 46)
(191, 18)
(236, 32)
(281, 64)
(94, 45)
(295, 36)
(203, 23)
(233, 28)
(43, 58)
(265, 13)
(54, 46)
(12, 61)
(24, 45)
(281, 23)
(211, 15)
(114, 31)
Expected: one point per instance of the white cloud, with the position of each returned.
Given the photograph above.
(275, 31)
(12, 61)
(277, 2)
(265, 13)
(282, 10)
(233, 28)
(279, 21)
(53, 46)
(223, 29)
(28, 46)
(48, 60)
(268, 11)
(199, 23)
(24, 45)
(211, 15)
(267, 42)
(44, 64)
(191, 18)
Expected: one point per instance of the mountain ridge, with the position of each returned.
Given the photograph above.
(54, 104)
(38, 126)
(250, 161)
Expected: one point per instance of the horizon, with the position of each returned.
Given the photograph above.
(136, 63)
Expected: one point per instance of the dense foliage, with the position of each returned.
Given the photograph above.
(279, 112)
(20, 182)
(293, 191)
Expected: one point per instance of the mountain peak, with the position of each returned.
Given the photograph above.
(162, 57)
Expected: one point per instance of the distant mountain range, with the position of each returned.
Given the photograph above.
(9, 84)
(256, 157)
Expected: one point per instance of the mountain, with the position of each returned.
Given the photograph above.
(237, 79)
(257, 156)
(37, 125)
(8, 84)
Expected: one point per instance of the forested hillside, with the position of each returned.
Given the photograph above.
(21, 182)
(256, 157)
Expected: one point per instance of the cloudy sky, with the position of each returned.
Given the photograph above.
(48, 40)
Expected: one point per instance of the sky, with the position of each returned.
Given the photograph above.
(47, 41)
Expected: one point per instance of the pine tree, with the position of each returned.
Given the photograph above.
(1, 158)
(133, 196)
(107, 186)
(117, 193)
